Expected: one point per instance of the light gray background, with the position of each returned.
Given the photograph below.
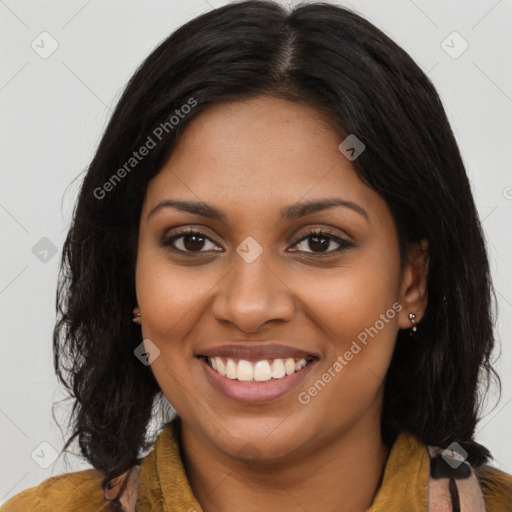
(55, 109)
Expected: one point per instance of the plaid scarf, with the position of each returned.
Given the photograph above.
(453, 485)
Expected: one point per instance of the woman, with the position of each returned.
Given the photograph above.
(280, 206)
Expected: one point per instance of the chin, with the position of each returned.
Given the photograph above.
(261, 438)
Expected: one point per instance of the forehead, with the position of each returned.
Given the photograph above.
(262, 151)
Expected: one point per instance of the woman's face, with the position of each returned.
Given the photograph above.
(254, 287)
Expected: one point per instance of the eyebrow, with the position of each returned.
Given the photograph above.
(287, 213)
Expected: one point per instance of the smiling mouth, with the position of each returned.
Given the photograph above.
(265, 370)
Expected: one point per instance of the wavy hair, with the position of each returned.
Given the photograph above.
(365, 84)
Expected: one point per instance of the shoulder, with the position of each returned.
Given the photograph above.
(496, 488)
(78, 491)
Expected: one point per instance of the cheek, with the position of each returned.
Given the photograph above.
(357, 310)
(169, 297)
(170, 302)
(351, 299)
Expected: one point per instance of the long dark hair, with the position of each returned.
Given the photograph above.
(331, 58)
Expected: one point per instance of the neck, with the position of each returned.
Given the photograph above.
(342, 474)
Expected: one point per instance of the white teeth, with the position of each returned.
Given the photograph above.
(300, 364)
(262, 371)
(289, 366)
(278, 369)
(221, 367)
(244, 370)
(231, 369)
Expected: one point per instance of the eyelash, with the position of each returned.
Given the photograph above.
(343, 244)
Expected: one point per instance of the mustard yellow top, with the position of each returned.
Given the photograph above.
(164, 485)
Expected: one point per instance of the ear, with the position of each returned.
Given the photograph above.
(136, 315)
(413, 287)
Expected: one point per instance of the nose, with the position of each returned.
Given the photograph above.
(251, 295)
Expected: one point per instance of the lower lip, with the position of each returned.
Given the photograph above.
(256, 392)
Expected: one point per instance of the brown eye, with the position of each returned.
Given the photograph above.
(189, 241)
(321, 241)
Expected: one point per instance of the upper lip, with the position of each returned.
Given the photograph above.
(255, 352)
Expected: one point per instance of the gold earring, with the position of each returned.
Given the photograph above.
(136, 316)
(414, 327)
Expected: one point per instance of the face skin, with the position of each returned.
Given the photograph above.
(250, 159)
